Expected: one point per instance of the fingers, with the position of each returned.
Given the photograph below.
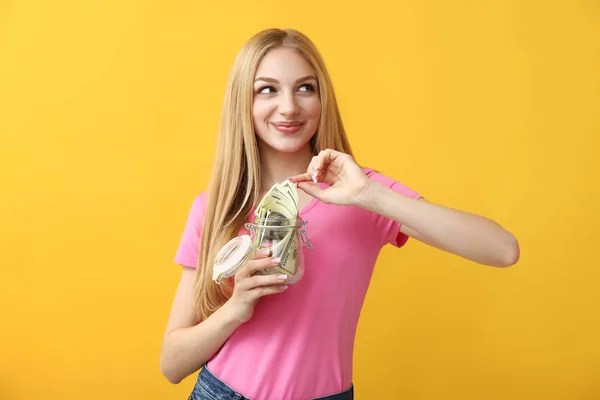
(312, 189)
(256, 265)
(320, 163)
(258, 254)
(326, 157)
(267, 290)
(318, 167)
(314, 171)
(315, 167)
(306, 177)
(258, 285)
(258, 281)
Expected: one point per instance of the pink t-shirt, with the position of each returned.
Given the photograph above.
(299, 344)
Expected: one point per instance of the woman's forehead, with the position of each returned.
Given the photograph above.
(284, 64)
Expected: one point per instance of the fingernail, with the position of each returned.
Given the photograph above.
(266, 252)
(282, 277)
(283, 287)
(276, 260)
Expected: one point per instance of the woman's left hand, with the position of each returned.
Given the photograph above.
(345, 178)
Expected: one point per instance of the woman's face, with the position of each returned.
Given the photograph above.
(286, 107)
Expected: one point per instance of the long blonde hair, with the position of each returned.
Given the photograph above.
(230, 200)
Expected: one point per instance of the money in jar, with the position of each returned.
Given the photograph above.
(276, 227)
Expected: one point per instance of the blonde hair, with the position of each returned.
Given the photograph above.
(230, 201)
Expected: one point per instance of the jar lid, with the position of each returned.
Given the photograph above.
(231, 257)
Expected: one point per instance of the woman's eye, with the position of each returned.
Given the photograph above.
(307, 88)
(266, 90)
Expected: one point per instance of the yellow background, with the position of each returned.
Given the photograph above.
(108, 119)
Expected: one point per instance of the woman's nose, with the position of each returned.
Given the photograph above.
(289, 105)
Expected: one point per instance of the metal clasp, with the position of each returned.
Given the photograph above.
(304, 237)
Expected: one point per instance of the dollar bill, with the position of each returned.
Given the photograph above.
(280, 202)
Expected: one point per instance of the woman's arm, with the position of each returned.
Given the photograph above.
(186, 345)
(465, 234)
(468, 235)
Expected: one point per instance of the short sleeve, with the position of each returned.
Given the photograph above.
(187, 253)
(389, 228)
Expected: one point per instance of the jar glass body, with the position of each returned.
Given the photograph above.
(285, 238)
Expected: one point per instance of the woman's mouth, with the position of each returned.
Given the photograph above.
(288, 127)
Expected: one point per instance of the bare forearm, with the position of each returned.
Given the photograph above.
(468, 235)
(185, 350)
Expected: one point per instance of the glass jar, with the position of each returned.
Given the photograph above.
(285, 238)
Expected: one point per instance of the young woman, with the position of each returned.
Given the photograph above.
(254, 336)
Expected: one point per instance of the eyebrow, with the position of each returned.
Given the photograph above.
(305, 78)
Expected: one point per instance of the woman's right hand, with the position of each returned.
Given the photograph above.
(249, 286)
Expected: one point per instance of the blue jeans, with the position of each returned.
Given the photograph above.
(209, 387)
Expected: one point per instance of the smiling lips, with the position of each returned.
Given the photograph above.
(288, 127)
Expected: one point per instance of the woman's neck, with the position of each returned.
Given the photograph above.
(278, 166)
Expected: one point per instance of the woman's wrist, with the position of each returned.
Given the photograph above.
(367, 198)
(229, 316)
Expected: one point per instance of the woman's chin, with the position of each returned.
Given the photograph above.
(288, 146)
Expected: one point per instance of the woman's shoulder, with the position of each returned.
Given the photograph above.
(198, 207)
(201, 197)
(390, 182)
(378, 176)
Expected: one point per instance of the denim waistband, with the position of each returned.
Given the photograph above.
(209, 387)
